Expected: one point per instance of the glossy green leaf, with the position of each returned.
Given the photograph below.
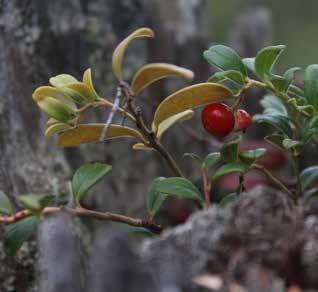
(179, 187)
(136, 230)
(309, 176)
(280, 122)
(16, 234)
(35, 203)
(5, 205)
(290, 144)
(230, 198)
(311, 85)
(266, 59)
(229, 168)
(309, 194)
(276, 140)
(87, 176)
(279, 82)
(211, 159)
(229, 150)
(250, 156)
(289, 76)
(273, 105)
(224, 58)
(249, 63)
(155, 198)
(233, 75)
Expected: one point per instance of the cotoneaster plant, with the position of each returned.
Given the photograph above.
(291, 110)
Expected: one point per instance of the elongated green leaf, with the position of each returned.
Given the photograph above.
(276, 140)
(309, 176)
(156, 71)
(155, 198)
(120, 50)
(189, 98)
(211, 159)
(311, 85)
(295, 90)
(16, 234)
(266, 59)
(180, 117)
(229, 168)
(36, 203)
(280, 122)
(87, 176)
(294, 145)
(233, 75)
(229, 150)
(88, 81)
(224, 58)
(87, 133)
(179, 187)
(249, 63)
(250, 156)
(232, 197)
(5, 205)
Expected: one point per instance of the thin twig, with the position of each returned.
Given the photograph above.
(206, 186)
(81, 212)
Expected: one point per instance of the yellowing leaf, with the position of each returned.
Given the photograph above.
(56, 128)
(153, 72)
(141, 146)
(119, 52)
(45, 91)
(180, 117)
(87, 133)
(62, 80)
(56, 109)
(188, 98)
(88, 80)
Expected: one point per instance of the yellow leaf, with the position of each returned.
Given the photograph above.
(180, 117)
(56, 128)
(156, 71)
(119, 52)
(88, 80)
(188, 98)
(56, 109)
(87, 133)
(44, 91)
(62, 80)
(141, 146)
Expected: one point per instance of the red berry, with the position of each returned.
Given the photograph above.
(218, 119)
(242, 120)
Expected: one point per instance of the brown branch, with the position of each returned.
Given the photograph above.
(206, 186)
(81, 212)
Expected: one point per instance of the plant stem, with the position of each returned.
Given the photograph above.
(276, 181)
(149, 136)
(206, 186)
(81, 212)
(297, 174)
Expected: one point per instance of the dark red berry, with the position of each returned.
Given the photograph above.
(242, 120)
(218, 119)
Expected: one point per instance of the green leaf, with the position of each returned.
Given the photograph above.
(250, 156)
(311, 193)
(276, 140)
(309, 176)
(294, 145)
(279, 82)
(194, 156)
(16, 234)
(311, 85)
(224, 58)
(229, 150)
(155, 198)
(136, 230)
(310, 129)
(229, 168)
(87, 176)
(273, 105)
(179, 187)
(295, 90)
(5, 205)
(233, 75)
(249, 63)
(289, 76)
(280, 122)
(35, 203)
(266, 59)
(211, 159)
(228, 199)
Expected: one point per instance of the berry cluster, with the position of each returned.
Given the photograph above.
(220, 120)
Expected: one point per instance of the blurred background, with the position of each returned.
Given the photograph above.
(40, 39)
